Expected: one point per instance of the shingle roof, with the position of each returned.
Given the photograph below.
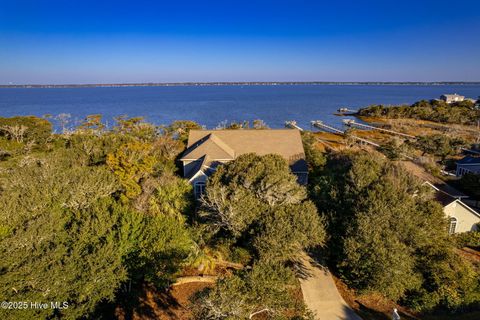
(444, 198)
(210, 145)
(229, 144)
(469, 160)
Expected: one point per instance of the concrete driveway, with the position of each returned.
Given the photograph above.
(320, 293)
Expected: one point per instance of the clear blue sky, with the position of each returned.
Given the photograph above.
(83, 41)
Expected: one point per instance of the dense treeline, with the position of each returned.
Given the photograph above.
(388, 236)
(463, 112)
(88, 215)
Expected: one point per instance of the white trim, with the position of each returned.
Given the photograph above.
(466, 207)
(196, 175)
(431, 185)
(455, 223)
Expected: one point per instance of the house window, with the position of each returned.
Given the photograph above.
(453, 225)
(199, 189)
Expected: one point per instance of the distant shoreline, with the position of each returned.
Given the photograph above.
(260, 83)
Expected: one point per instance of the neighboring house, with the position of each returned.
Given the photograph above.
(207, 149)
(468, 164)
(449, 98)
(462, 218)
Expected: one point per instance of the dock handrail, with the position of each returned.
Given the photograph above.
(292, 124)
(351, 122)
(320, 125)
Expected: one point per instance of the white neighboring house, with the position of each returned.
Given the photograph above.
(207, 149)
(462, 218)
(449, 98)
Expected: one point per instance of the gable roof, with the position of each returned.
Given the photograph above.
(446, 199)
(463, 204)
(210, 145)
(199, 166)
(229, 144)
(469, 160)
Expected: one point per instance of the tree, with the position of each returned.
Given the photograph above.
(248, 197)
(265, 290)
(131, 163)
(260, 124)
(387, 234)
(315, 159)
(435, 110)
(64, 236)
(135, 127)
(92, 123)
(24, 129)
(439, 145)
(470, 184)
(166, 195)
(394, 149)
(287, 230)
(72, 256)
(180, 129)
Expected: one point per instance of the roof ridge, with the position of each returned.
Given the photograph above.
(222, 144)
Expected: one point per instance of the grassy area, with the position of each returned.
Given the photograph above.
(423, 127)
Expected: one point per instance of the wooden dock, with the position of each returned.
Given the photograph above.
(325, 127)
(292, 124)
(353, 123)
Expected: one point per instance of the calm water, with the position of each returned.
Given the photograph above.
(210, 105)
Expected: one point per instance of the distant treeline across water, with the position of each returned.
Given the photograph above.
(281, 83)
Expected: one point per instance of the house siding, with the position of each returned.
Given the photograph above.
(466, 219)
(468, 168)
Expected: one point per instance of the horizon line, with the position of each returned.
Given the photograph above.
(235, 83)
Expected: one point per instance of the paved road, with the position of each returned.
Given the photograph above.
(320, 293)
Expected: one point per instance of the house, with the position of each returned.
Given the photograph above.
(207, 149)
(461, 217)
(468, 164)
(449, 98)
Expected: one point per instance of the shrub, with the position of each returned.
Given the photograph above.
(24, 129)
(468, 239)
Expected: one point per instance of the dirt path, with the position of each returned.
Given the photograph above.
(320, 293)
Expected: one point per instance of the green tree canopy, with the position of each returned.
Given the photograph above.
(439, 145)
(383, 225)
(266, 290)
(64, 233)
(258, 199)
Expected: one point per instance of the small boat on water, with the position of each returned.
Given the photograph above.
(345, 112)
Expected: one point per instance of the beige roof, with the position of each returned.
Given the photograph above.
(229, 144)
(209, 145)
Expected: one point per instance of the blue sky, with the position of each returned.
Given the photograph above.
(83, 41)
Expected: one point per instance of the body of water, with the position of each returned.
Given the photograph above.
(210, 105)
